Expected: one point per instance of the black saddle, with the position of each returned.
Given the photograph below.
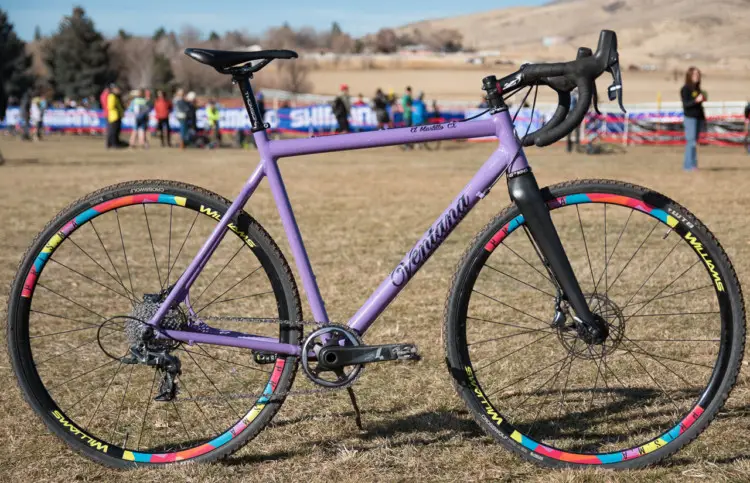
(231, 62)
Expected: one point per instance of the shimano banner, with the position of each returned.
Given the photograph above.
(310, 119)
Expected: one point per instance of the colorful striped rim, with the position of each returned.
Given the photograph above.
(28, 289)
(554, 453)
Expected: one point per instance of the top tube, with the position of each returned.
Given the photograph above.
(387, 137)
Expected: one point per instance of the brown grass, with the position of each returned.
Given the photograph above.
(359, 212)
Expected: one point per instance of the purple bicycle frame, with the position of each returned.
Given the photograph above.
(508, 157)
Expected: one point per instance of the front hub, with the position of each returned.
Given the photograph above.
(583, 342)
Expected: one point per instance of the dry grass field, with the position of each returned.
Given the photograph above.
(359, 212)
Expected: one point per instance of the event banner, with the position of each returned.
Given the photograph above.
(310, 119)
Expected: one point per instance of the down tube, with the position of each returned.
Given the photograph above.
(477, 189)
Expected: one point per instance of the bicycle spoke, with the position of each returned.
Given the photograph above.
(627, 264)
(106, 252)
(179, 416)
(509, 325)
(511, 307)
(124, 252)
(515, 351)
(678, 277)
(227, 291)
(91, 279)
(148, 405)
(527, 376)
(259, 294)
(218, 274)
(177, 257)
(214, 385)
(545, 276)
(153, 249)
(200, 410)
(635, 316)
(122, 403)
(169, 245)
(503, 337)
(585, 246)
(655, 381)
(92, 324)
(546, 396)
(520, 281)
(653, 272)
(117, 371)
(605, 250)
(111, 361)
(209, 355)
(71, 301)
(645, 301)
(606, 264)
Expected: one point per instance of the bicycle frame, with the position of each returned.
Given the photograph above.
(507, 157)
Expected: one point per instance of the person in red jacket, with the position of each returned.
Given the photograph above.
(162, 109)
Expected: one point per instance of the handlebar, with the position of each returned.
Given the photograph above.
(563, 77)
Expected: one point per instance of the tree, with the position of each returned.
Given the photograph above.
(123, 34)
(336, 29)
(162, 72)
(386, 41)
(160, 32)
(15, 77)
(37, 34)
(213, 36)
(292, 77)
(78, 57)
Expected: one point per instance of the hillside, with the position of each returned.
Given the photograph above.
(661, 33)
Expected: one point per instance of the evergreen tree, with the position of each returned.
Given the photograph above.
(336, 29)
(160, 32)
(78, 57)
(37, 34)
(15, 76)
(213, 37)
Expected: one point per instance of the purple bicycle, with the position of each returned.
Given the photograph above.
(153, 322)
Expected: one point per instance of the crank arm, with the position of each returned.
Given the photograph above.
(334, 357)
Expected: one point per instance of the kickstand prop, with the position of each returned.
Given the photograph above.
(357, 416)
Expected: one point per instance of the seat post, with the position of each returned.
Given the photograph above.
(243, 80)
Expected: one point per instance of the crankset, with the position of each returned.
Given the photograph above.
(334, 357)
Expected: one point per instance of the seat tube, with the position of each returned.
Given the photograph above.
(278, 190)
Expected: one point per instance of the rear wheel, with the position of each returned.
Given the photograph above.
(676, 321)
(90, 280)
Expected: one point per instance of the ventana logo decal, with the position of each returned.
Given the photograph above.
(434, 237)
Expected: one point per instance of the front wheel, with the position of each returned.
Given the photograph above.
(670, 298)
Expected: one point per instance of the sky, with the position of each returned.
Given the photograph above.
(143, 17)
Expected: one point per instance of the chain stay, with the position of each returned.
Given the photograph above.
(259, 320)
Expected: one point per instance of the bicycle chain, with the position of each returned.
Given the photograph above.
(259, 320)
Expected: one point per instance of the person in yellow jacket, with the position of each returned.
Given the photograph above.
(115, 112)
(213, 116)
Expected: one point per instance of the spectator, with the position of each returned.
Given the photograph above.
(436, 115)
(213, 115)
(261, 106)
(25, 115)
(181, 112)
(747, 125)
(406, 104)
(162, 108)
(38, 107)
(192, 117)
(341, 106)
(380, 106)
(695, 118)
(577, 131)
(418, 110)
(103, 100)
(4, 102)
(115, 112)
(360, 100)
(140, 108)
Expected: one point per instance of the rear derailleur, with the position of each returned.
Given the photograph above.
(168, 364)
